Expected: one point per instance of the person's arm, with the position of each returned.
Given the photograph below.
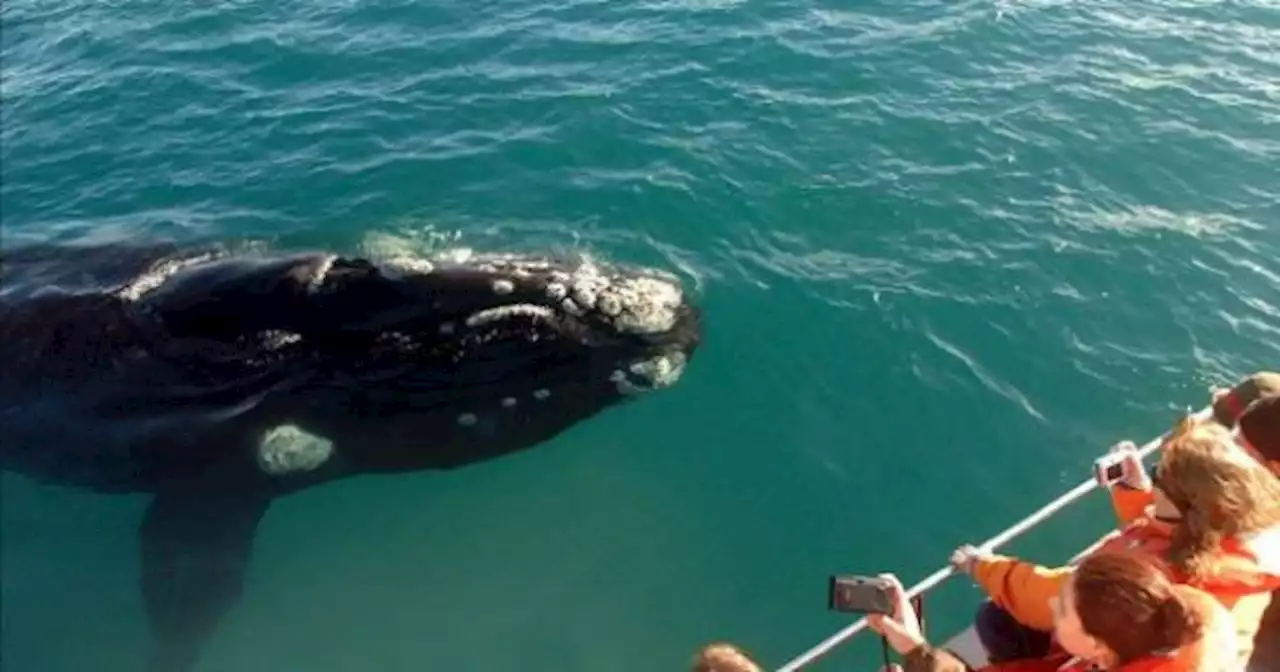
(903, 640)
(901, 628)
(1021, 588)
(1131, 496)
(1130, 503)
(926, 657)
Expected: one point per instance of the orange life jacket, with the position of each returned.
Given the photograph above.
(1215, 650)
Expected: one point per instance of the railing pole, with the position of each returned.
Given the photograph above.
(938, 577)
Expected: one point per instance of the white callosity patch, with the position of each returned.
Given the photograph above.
(398, 340)
(570, 306)
(510, 267)
(585, 295)
(541, 394)
(609, 305)
(652, 374)
(587, 283)
(276, 338)
(508, 402)
(639, 304)
(490, 315)
(288, 448)
(644, 305)
(157, 276)
(322, 271)
(460, 255)
(635, 304)
(467, 419)
(406, 265)
(516, 265)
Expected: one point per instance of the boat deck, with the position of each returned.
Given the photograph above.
(968, 648)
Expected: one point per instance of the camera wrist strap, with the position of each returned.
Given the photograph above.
(917, 603)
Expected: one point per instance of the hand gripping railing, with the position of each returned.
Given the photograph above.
(938, 577)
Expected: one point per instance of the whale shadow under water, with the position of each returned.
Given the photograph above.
(221, 380)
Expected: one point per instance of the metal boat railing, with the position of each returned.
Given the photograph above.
(1016, 530)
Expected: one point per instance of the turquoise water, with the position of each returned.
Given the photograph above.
(948, 253)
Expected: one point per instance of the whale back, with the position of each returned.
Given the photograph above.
(35, 269)
(73, 359)
(142, 364)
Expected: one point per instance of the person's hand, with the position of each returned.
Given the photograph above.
(902, 627)
(964, 558)
(902, 612)
(1134, 473)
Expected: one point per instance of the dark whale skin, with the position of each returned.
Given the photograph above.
(220, 379)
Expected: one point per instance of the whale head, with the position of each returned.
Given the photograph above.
(409, 362)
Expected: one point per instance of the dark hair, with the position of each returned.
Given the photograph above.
(1260, 425)
(1126, 602)
(1228, 408)
(928, 659)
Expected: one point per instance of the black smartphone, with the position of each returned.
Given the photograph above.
(859, 595)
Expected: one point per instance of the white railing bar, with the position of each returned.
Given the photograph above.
(938, 577)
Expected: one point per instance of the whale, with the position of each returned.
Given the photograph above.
(217, 379)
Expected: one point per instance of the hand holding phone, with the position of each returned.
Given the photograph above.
(851, 594)
(1121, 464)
(901, 628)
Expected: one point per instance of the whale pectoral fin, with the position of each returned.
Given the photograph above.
(196, 544)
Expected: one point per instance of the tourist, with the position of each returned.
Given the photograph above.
(1230, 404)
(1259, 431)
(1118, 611)
(1210, 514)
